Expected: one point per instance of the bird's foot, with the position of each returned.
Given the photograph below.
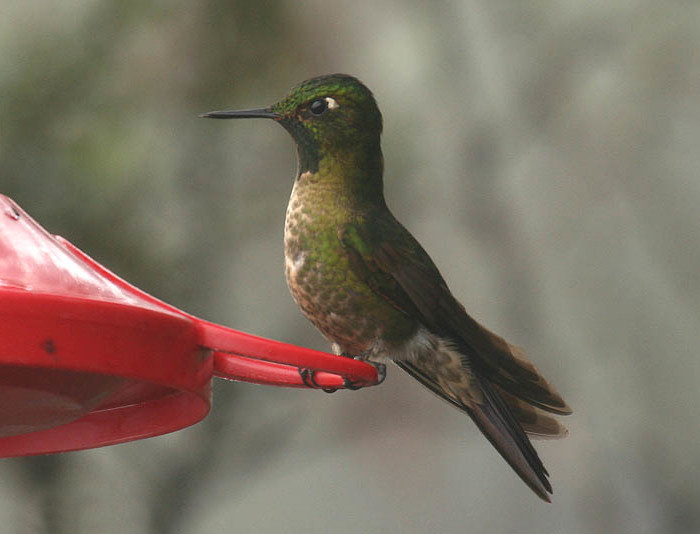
(364, 356)
(381, 371)
(381, 375)
(308, 376)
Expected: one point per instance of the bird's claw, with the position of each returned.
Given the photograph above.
(308, 376)
(381, 371)
(351, 384)
(380, 367)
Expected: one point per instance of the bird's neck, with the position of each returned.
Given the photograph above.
(351, 176)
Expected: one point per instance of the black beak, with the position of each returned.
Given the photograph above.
(263, 113)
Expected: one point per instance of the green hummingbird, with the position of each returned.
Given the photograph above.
(365, 282)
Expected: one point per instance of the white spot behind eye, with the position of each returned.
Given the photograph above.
(332, 104)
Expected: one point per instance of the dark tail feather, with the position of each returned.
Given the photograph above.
(498, 424)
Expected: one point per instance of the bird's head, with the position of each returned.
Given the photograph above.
(327, 116)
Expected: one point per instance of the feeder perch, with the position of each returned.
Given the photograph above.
(88, 360)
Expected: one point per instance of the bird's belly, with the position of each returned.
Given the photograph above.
(346, 311)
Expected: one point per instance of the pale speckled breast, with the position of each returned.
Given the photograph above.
(343, 308)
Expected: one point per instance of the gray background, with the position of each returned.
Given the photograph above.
(546, 155)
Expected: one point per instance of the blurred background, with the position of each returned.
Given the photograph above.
(546, 154)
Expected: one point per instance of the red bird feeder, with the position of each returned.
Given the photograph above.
(88, 360)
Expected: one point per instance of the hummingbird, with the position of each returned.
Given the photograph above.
(371, 289)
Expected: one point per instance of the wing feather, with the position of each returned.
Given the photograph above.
(397, 268)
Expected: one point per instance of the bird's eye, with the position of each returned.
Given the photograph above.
(318, 107)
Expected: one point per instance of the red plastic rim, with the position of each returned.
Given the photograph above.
(87, 359)
(245, 357)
